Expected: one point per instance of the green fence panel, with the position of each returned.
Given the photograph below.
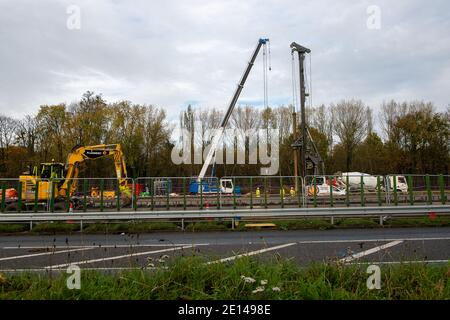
(428, 184)
(19, 196)
(379, 190)
(410, 190)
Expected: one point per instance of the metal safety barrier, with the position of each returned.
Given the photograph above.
(230, 213)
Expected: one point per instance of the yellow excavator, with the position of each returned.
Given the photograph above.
(66, 174)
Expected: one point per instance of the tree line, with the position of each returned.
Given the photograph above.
(404, 137)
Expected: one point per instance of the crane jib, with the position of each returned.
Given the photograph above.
(216, 138)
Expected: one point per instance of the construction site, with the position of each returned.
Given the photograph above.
(270, 196)
(57, 187)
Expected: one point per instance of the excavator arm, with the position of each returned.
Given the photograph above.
(81, 154)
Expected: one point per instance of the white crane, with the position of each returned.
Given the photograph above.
(219, 132)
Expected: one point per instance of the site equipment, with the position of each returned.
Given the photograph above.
(80, 154)
(310, 157)
(226, 185)
(64, 176)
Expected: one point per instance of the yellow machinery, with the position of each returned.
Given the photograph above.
(41, 175)
(56, 171)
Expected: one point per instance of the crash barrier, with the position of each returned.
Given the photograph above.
(234, 192)
(233, 215)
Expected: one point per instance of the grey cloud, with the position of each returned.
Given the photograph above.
(170, 52)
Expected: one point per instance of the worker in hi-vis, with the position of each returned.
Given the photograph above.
(292, 192)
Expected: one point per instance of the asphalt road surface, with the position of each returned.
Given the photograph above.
(155, 250)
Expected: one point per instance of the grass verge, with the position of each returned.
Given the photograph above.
(190, 278)
(215, 225)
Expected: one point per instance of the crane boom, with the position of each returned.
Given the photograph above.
(219, 132)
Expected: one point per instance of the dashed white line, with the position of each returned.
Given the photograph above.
(104, 246)
(370, 251)
(43, 254)
(118, 257)
(401, 262)
(252, 253)
(371, 240)
(85, 269)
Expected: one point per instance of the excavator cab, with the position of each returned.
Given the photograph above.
(50, 170)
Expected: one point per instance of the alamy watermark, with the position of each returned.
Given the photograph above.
(73, 21)
(374, 17)
(74, 280)
(239, 146)
(374, 280)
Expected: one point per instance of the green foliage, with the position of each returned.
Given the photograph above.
(189, 278)
(416, 138)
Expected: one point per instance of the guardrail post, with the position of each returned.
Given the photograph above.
(19, 195)
(281, 192)
(36, 196)
(299, 194)
(251, 193)
(430, 196)
(184, 197)
(331, 191)
(347, 193)
(381, 220)
(362, 192)
(85, 195)
(441, 187)
(3, 198)
(31, 225)
(102, 188)
(410, 190)
(378, 190)
(394, 177)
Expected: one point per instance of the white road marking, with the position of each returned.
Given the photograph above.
(401, 262)
(372, 240)
(370, 251)
(43, 254)
(224, 243)
(252, 253)
(85, 269)
(118, 257)
(105, 246)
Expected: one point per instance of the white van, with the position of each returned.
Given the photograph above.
(354, 181)
(401, 184)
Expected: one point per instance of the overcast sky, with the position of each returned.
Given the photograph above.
(172, 53)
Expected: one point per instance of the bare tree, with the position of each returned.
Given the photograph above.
(350, 125)
(7, 136)
(8, 127)
(26, 133)
(322, 120)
